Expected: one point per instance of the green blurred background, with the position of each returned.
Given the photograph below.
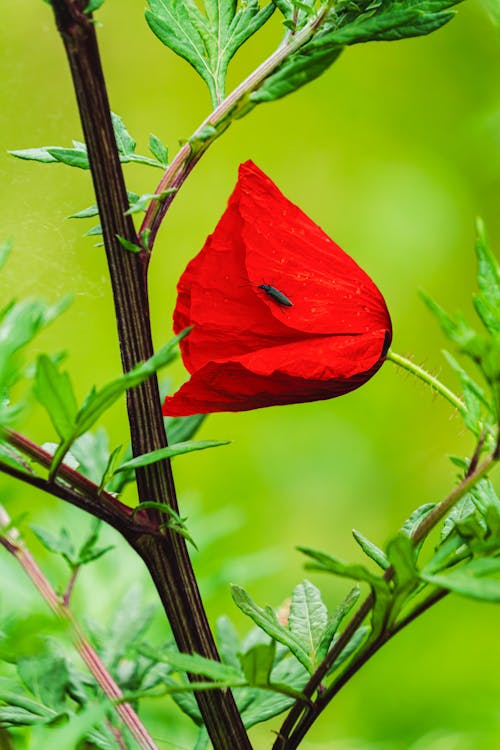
(394, 152)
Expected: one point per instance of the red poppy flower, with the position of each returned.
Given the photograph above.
(280, 313)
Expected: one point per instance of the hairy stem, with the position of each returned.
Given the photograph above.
(165, 556)
(428, 379)
(12, 543)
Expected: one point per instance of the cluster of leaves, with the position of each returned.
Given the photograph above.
(77, 156)
(316, 34)
(46, 692)
(481, 403)
(209, 40)
(20, 322)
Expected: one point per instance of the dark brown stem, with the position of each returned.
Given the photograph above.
(167, 558)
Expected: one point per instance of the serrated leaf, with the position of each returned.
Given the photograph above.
(371, 550)
(209, 40)
(53, 389)
(58, 544)
(159, 151)
(266, 620)
(460, 511)
(308, 618)
(124, 141)
(170, 451)
(380, 588)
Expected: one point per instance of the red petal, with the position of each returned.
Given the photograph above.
(311, 370)
(286, 249)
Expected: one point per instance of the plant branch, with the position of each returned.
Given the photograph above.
(236, 104)
(301, 717)
(13, 544)
(166, 557)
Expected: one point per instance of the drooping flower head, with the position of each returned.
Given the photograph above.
(280, 314)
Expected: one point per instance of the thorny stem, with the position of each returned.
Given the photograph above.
(234, 104)
(426, 377)
(165, 556)
(13, 544)
(301, 717)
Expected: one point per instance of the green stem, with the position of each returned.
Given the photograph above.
(428, 379)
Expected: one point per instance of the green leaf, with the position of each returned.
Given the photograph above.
(5, 248)
(170, 451)
(471, 580)
(88, 551)
(92, 454)
(85, 213)
(46, 677)
(456, 329)
(60, 545)
(143, 201)
(335, 621)
(380, 588)
(93, 5)
(35, 154)
(199, 665)
(413, 522)
(266, 620)
(308, 618)
(257, 663)
(208, 40)
(127, 245)
(159, 151)
(130, 621)
(359, 637)
(487, 303)
(370, 549)
(54, 391)
(72, 157)
(180, 429)
(308, 63)
(124, 141)
(228, 642)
